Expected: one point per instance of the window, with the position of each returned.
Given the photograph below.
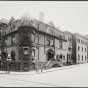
(78, 48)
(82, 57)
(70, 39)
(85, 58)
(33, 53)
(69, 48)
(63, 57)
(8, 41)
(60, 44)
(32, 37)
(85, 43)
(78, 57)
(48, 42)
(78, 40)
(81, 41)
(82, 48)
(52, 42)
(13, 39)
(85, 49)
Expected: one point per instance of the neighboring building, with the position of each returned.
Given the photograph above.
(79, 49)
(55, 39)
(87, 47)
(69, 47)
(3, 25)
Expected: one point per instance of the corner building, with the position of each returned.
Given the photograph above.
(26, 40)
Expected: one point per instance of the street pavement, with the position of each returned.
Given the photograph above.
(67, 76)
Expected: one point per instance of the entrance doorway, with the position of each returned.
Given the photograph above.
(50, 54)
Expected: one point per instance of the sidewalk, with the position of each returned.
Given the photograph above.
(45, 71)
(74, 75)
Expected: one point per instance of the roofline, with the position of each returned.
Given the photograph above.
(49, 25)
(81, 36)
(67, 32)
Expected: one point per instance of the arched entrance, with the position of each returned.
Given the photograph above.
(50, 54)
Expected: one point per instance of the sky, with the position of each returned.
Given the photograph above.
(66, 15)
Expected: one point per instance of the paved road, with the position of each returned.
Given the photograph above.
(74, 76)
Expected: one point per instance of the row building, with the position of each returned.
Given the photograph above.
(80, 49)
(28, 40)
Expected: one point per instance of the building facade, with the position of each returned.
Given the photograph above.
(26, 41)
(55, 40)
(69, 47)
(80, 49)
